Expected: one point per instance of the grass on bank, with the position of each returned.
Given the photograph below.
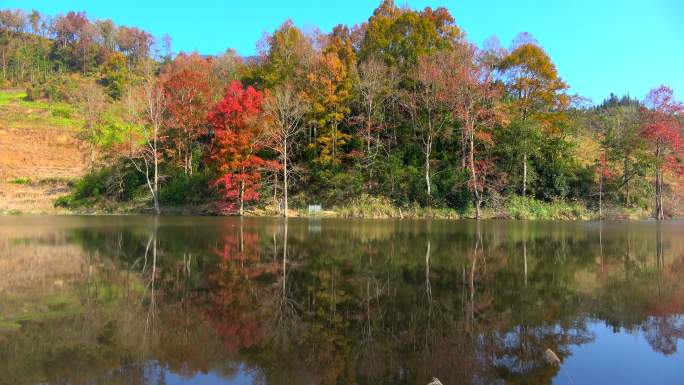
(96, 193)
(517, 207)
(513, 208)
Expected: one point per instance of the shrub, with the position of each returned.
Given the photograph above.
(181, 189)
(31, 94)
(91, 185)
(366, 206)
(60, 87)
(333, 187)
(21, 181)
(64, 201)
(120, 182)
(61, 112)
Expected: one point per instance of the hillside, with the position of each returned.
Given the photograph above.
(39, 152)
(399, 115)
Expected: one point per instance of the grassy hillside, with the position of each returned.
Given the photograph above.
(39, 152)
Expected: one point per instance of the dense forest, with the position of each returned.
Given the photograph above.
(397, 116)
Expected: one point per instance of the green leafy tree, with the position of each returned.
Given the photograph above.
(537, 96)
(286, 57)
(619, 123)
(400, 36)
(115, 75)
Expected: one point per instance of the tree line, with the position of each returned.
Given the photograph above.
(402, 106)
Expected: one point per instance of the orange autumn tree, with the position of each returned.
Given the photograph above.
(238, 138)
(188, 92)
(331, 91)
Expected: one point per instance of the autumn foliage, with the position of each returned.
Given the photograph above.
(238, 139)
(188, 93)
(662, 129)
(401, 107)
(662, 124)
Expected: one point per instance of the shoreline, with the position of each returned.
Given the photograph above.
(419, 214)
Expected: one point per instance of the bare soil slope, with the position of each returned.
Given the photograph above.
(39, 153)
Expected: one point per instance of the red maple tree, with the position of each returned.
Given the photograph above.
(662, 129)
(238, 138)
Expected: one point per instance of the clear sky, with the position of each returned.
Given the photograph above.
(599, 46)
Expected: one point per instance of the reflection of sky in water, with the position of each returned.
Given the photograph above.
(612, 358)
(240, 378)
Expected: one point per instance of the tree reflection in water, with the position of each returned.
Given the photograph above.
(383, 302)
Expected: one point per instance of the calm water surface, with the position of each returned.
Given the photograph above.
(139, 300)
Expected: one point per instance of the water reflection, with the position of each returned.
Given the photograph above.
(215, 300)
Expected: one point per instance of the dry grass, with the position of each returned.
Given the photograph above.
(35, 145)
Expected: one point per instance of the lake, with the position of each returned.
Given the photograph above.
(202, 300)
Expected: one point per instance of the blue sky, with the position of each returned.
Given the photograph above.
(599, 46)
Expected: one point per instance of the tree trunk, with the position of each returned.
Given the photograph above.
(285, 212)
(601, 196)
(463, 149)
(524, 187)
(4, 64)
(157, 210)
(368, 133)
(625, 179)
(428, 150)
(153, 186)
(477, 199)
(275, 188)
(242, 198)
(242, 238)
(186, 161)
(190, 162)
(334, 144)
(155, 193)
(660, 214)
